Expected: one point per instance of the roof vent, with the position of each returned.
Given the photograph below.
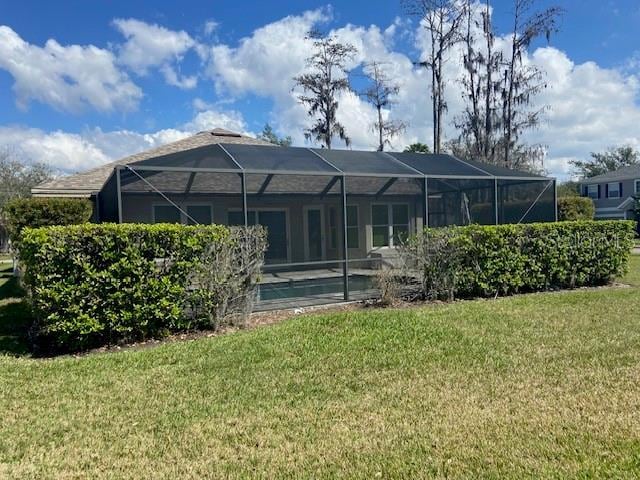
(221, 132)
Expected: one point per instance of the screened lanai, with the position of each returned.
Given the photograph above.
(333, 217)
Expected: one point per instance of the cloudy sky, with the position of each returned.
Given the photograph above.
(85, 82)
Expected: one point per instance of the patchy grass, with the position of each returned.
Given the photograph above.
(542, 385)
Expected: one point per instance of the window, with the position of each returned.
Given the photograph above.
(637, 187)
(235, 217)
(400, 223)
(333, 228)
(353, 235)
(613, 190)
(166, 214)
(389, 224)
(380, 225)
(593, 191)
(353, 240)
(200, 213)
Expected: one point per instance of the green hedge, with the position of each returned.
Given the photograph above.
(42, 212)
(506, 259)
(575, 208)
(93, 285)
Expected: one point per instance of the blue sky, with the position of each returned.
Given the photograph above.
(117, 91)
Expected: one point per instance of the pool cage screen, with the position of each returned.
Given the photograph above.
(333, 217)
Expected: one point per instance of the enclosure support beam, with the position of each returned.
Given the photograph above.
(245, 213)
(119, 193)
(265, 184)
(555, 199)
(425, 206)
(329, 186)
(192, 177)
(345, 251)
(386, 187)
(495, 199)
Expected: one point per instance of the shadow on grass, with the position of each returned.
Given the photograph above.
(15, 315)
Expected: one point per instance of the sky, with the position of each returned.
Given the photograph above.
(83, 83)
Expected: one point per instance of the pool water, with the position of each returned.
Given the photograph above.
(312, 288)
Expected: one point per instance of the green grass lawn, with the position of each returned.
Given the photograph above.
(543, 385)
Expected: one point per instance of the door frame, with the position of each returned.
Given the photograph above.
(273, 209)
(305, 226)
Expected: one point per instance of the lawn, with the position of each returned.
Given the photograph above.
(542, 385)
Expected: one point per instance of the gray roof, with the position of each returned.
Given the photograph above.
(86, 183)
(625, 173)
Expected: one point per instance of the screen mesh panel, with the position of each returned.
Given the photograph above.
(438, 164)
(461, 202)
(374, 163)
(210, 156)
(278, 159)
(526, 202)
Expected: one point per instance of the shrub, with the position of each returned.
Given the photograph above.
(575, 208)
(42, 212)
(505, 259)
(92, 285)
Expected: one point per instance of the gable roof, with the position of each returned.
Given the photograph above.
(625, 173)
(85, 184)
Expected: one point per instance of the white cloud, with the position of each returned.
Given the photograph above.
(149, 46)
(591, 107)
(69, 78)
(72, 152)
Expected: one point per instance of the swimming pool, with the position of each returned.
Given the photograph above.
(314, 287)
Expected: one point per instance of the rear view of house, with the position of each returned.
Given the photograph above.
(333, 216)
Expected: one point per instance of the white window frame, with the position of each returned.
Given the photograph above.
(390, 222)
(182, 206)
(589, 187)
(617, 184)
(636, 186)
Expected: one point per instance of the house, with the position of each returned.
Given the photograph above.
(333, 216)
(613, 193)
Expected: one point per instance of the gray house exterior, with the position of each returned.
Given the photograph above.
(333, 217)
(613, 193)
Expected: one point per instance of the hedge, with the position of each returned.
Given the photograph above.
(575, 208)
(506, 259)
(41, 212)
(92, 285)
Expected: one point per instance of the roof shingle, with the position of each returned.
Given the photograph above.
(85, 183)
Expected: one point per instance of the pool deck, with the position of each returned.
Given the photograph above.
(300, 275)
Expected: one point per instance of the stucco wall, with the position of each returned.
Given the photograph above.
(139, 208)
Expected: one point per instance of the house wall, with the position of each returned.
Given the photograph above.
(607, 207)
(139, 208)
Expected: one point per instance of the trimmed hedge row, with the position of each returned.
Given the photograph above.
(42, 212)
(93, 285)
(507, 259)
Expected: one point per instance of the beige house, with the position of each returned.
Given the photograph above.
(333, 216)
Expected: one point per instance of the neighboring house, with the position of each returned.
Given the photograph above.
(613, 193)
(331, 215)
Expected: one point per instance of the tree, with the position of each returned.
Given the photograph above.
(379, 93)
(418, 148)
(328, 78)
(609, 161)
(521, 81)
(569, 189)
(480, 122)
(18, 177)
(268, 135)
(443, 20)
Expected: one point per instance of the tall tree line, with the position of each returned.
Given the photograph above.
(499, 83)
